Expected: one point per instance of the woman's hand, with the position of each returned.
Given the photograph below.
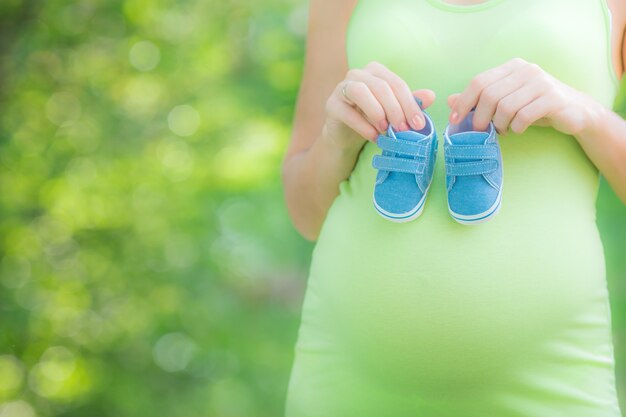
(518, 94)
(374, 97)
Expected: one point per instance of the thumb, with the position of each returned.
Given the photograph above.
(427, 96)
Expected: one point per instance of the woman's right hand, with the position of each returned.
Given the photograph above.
(374, 97)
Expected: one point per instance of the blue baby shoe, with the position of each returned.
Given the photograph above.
(473, 172)
(405, 171)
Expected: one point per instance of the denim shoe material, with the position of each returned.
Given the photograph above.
(405, 171)
(473, 172)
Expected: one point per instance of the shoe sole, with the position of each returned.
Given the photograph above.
(481, 217)
(412, 215)
(404, 217)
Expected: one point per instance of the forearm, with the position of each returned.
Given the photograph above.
(604, 141)
(311, 181)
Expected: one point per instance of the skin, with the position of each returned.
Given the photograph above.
(329, 130)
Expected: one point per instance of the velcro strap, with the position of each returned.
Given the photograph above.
(472, 151)
(405, 147)
(471, 168)
(388, 163)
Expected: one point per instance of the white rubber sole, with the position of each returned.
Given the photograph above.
(403, 217)
(480, 217)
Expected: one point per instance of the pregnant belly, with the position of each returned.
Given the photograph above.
(432, 303)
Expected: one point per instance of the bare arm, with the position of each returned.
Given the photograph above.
(604, 140)
(328, 132)
(313, 168)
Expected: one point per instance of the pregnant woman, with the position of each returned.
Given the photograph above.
(428, 318)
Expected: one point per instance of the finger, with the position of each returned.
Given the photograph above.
(531, 113)
(509, 106)
(452, 98)
(412, 114)
(427, 96)
(469, 97)
(491, 96)
(543, 122)
(360, 94)
(353, 118)
(382, 92)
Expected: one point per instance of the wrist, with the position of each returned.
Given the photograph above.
(596, 120)
(345, 148)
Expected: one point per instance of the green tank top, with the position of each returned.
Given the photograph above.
(433, 318)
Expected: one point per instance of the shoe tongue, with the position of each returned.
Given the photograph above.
(469, 138)
(410, 135)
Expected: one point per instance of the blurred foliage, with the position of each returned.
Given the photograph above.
(148, 266)
(147, 263)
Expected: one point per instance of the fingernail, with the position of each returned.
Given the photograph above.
(403, 126)
(454, 117)
(418, 121)
(383, 126)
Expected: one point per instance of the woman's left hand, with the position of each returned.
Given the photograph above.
(518, 94)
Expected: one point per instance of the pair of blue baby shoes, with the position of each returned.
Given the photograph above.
(405, 171)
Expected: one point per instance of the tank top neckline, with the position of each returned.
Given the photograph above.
(461, 8)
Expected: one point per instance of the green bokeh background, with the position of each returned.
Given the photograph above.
(147, 262)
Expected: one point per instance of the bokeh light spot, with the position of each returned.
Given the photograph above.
(81, 171)
(57, 363)
(177, 159)
(144, 56)
(17, 409)
(297, 20)
(83, 136)
(183, 120)
(175, 25)
(59, 375)
(142, 94)
(15, 271)
(180, 251)
(173, 351)
(63, 107)
(12, 374)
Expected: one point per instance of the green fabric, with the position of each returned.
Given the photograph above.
(432, 318)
